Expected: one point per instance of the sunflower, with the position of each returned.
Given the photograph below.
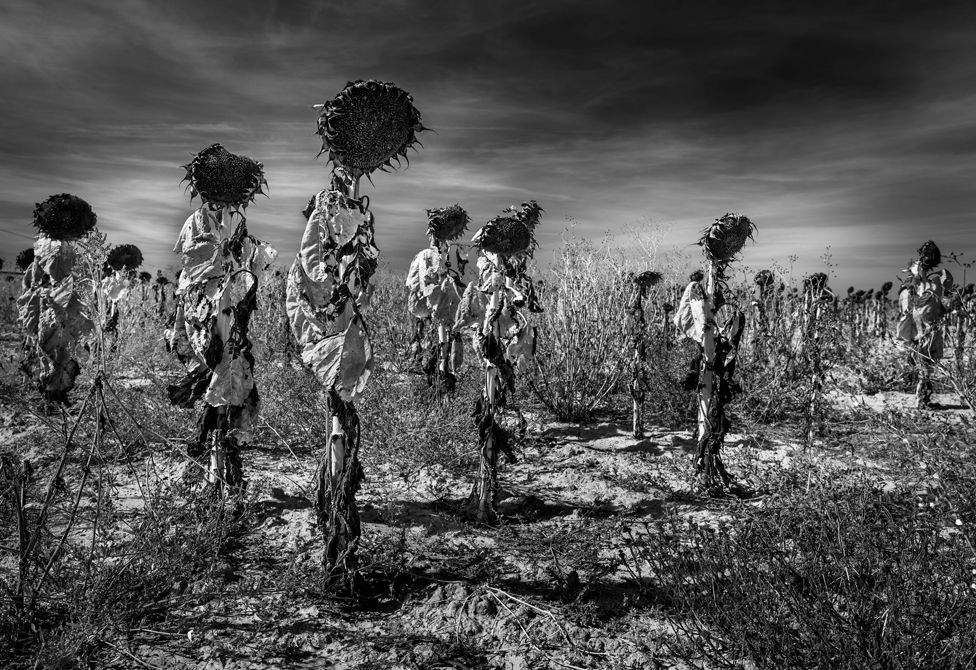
(503, 235)
(124, 257)
(447, 223)
(223, 179)
(25, 258)
(929, 256)
(764, 279)
(725, 238)
(64, 217)
(368, 125)
(647, 279)
(512, 232)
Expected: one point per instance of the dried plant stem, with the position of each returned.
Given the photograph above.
(711, 413)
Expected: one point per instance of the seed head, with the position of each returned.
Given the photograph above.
(368, 125)
(223, 179)
(447, 224)
(64, 217)
(725, 238)
(929, 255)
(124, 257)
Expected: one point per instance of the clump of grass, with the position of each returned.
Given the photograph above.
(585, 330)
(841, 573)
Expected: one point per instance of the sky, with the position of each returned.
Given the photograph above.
(848, 124)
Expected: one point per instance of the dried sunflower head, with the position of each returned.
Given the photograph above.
(696, 276)
(223, 179)
(25, 258)
(504, 235)
(64, 217)
(124, 257)
(929, 256)
(529, 213)
(145, 277)
(367, 125)
(447, 224)
(512, 232)
(764, 278)
(647, 279)
(886, 287)
(726, 237)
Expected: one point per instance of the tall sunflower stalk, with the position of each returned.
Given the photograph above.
(763, 295)
(52, 307)
(641, 284)
(816, 329)
(497, 305)
(921, 323)
(434, 282)
(118, 278)
(215, 295)
(696, 317)
(365, 127)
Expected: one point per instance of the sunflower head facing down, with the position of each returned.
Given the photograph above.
(368, 125)
(124, 257)
(512, 232)
(64, 217)
(223, 179)
(446, 224)
(646, 279)
(725, 238)
(929, 256)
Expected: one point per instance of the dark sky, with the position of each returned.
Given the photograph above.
(841, 123)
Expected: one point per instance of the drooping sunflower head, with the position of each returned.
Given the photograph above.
(64, 217)
(886, 287)
(764, 279)
(145, 277)
(25, 258)
(929, 256)
(697, 275)
(529, 213)
(124, 257)
(223, 179)
(722, 240)
(447, 224)
(512, 232)
(647, 279)
(504, 235)
(367, 125)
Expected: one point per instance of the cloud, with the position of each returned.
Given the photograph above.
(842, 123)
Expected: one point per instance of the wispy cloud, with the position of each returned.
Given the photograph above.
(839, 125)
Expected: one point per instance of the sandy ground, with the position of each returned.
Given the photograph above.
(570, 480)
